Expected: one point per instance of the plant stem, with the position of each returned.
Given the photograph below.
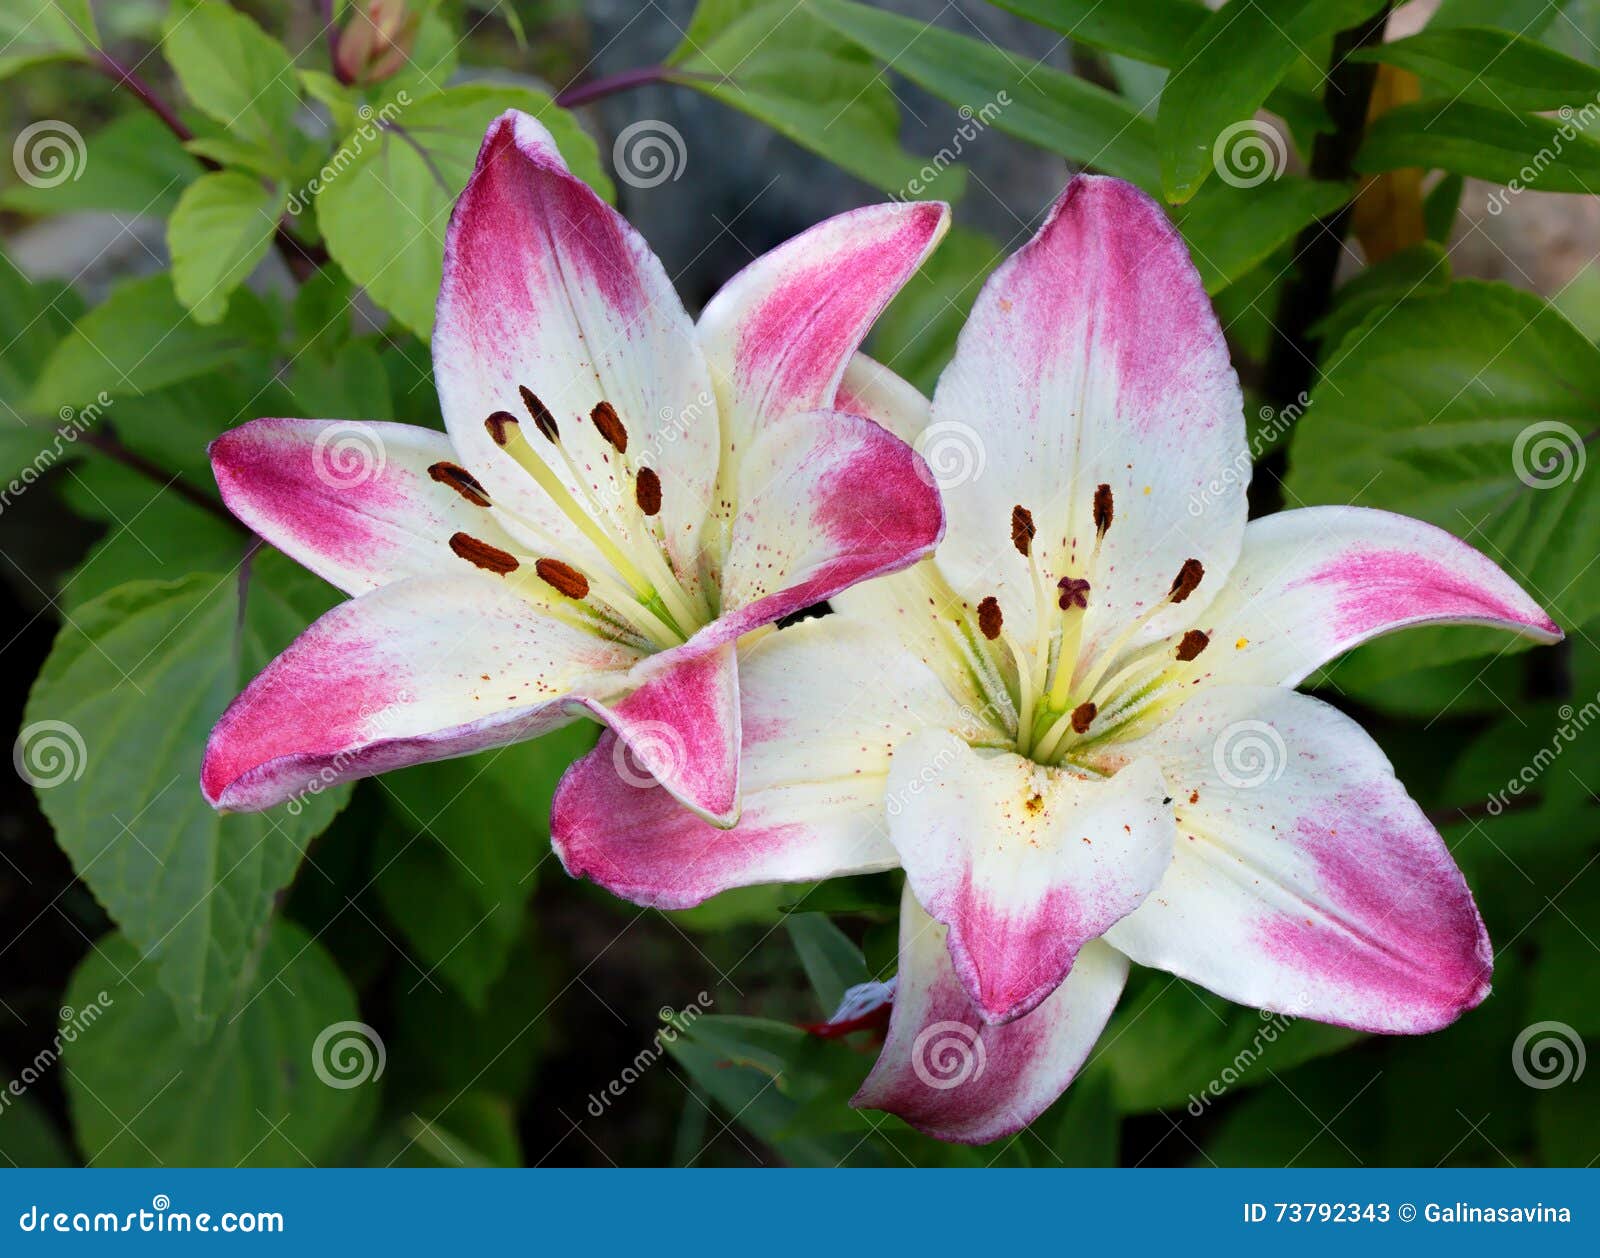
(301, 258)
(1291, 365)
(586, 93)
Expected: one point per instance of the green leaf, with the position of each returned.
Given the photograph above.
(36, 31)
(917, 334)
(140, 339)
(461, 853)
(1173, 1044)
(1146, 30)
(221, 228)
(1227, 70)
(233, 71)
(1530, 17)
(409, 176)
(755, 1070)
(1420, 270)
(449, 1045)
(1440, 206)
(1231, 229)
(128, 695)
(1084, 1128)
(133, 165)
(152, 533)
(1522, 150)
(1492, 68)
(1470, 409)
(145, 1092)
(350, 384)
(1024, 98)
(1567, 1116)
(468, 1129)
(775, 61)
(33, 319)
(832, 962)
(27, 1136)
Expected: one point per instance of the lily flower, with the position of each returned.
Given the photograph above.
(1075, 726)
(620, 493)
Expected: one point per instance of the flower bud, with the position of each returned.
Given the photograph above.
(376, 41)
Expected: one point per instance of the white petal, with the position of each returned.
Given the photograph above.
(546, 286)
(950, 1074)
(1091, 357)
(1024, 863)
(823, 707)
(1310, 584)
(424, 668)
(1305, 880)
(353, 500)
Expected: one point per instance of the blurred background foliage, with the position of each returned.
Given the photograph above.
(1399, 318)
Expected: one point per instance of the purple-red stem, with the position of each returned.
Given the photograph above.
(609, 85)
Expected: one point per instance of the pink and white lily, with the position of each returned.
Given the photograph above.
(621, 494)
(1075, 727)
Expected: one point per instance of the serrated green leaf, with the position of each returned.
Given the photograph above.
(131, 690)
(133, 165)
(1418, 271)
(462, 848)
(1470, 409)
(233, 71)
(145, 1092)
(140, 339)
(36, 31)
(1493, 68)
(222, 227)
(1226, 71)
(1528, 150)
(409, 174)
